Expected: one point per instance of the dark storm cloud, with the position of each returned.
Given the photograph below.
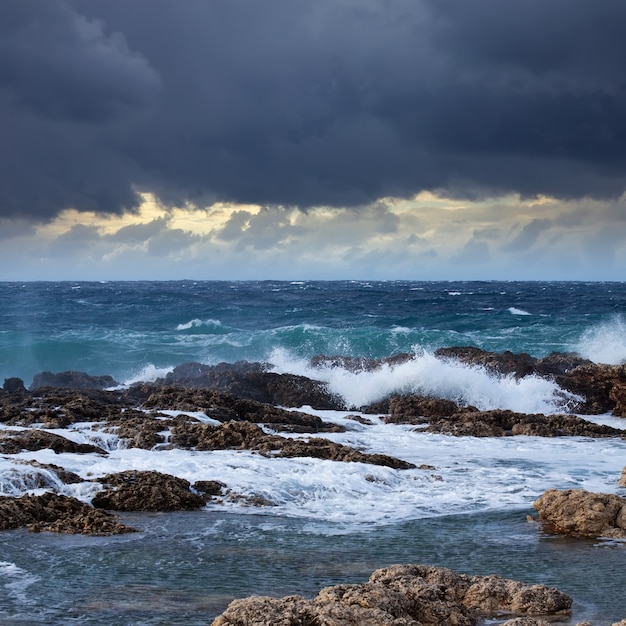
(302, 102)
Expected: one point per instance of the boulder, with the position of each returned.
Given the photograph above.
(56, 513)
(418, 409)
(14, 385)
(581, 513)
(146, 491)
(72, 380)
(403, 595)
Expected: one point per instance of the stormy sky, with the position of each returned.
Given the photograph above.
(213, 139)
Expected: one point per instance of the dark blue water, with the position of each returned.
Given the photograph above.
(130, 329)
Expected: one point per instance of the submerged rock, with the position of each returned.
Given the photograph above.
(57, 513)
(581, 513)
(402, 595)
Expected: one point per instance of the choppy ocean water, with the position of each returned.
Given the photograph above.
(343, 520)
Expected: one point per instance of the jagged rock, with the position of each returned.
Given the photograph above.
(579, 512)
(402, 595)
(600, 386)
(14, 385)
(56, 513)
(504, 363)
(247, 436)
(146, 491)
(72, 380)
(253, 381)
(418, 409)
(225, 407)
(501, 423)
(622, 480)
(209, 487)
(12, 442)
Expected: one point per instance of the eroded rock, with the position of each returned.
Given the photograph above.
(57, 513)
(579, 512)
(402, 595)
(146, 491)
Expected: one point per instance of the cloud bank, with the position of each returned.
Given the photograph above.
(302, 103)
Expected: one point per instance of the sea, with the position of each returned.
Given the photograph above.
(328, 522)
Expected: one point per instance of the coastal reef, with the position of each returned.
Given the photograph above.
(247, 407)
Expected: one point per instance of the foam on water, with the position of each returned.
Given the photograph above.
(16, 581)
(147, 374)
(459, 475)
(427, 375)
(515, 311)
(605, 343)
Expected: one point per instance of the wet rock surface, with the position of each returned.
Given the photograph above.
(581, 513)
(247, 436)
(402, 595)
(57, 513)
(14, 442)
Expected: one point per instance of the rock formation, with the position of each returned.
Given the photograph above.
(581, 513)
(402, 595)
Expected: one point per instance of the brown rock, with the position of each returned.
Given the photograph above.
(56, 513)
(579, 512)
(500, 423)
(12, 442)
(146, 491)
(506, 363)
(622, 480)
(418, 409)
(72, 380)
(402, 595)
(247, 436)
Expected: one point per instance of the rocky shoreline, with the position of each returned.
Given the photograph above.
(246, 406)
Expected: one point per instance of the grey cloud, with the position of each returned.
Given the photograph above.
(527, 237)
(302, 102)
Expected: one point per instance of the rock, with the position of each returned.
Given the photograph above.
(581, 513)
(14, 385)
(253, 381)
(72, 380)
(618, 396)
(225, 407)
(209, 488)
(506, 363)
(56, 513)
(622, 480)
(403, 595)
(12, 442)
(418, 409)
(501, 422)
(146, 491)
(247, 436)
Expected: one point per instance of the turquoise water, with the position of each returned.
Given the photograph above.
(131, 330)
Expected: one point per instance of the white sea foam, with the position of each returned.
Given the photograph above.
(16, 581)
(515, 311)
(147, 374)
(605, 343)
(469, 475)
(197, 323)
(427, 375)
